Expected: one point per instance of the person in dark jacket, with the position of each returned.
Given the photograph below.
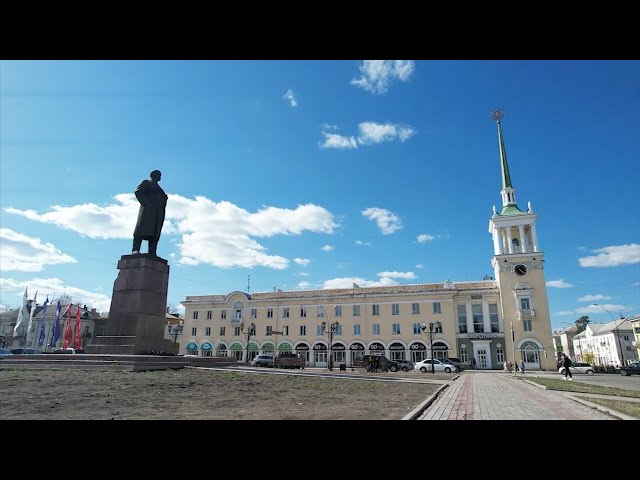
(153, 202)
(566, 363)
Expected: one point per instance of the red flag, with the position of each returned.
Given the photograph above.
(77, 341)
(67, 331)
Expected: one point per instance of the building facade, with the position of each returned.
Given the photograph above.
(505, 319)
(606, 344)
(564, 343)
(635, 324)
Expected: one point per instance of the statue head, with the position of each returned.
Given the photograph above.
(156, 175)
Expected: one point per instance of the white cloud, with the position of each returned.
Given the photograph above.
(348, 283)
(360, 242)
(559, 284)
(593, 298)
(326, 248)
(214, 233)
(335, 140)
(303, 285)
(613, 256)
(377, 75)
(371, 132)
(302, 261)
(419, 265)
(55, 287)
(388, 222)
(636, 284)
(302, 274)
(405, 133)
(291, 98)
(28, 254)
(595, 309)
(423, 238)
(91, 220)
(405, 275)
(565, 312)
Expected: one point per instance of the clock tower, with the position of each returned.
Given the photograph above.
(518, 264)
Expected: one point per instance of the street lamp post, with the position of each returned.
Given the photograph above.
(250, 331)
(616, 330)
(330, 331)
(423, 326)
(174, 331)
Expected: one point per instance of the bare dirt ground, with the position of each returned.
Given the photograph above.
(195, 394)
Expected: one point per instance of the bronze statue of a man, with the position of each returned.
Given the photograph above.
(153, 202)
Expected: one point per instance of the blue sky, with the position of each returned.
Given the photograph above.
(319, 174)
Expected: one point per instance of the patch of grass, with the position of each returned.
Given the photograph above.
(573, 386)
(628, 408)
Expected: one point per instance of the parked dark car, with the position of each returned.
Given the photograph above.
(405, 365)
(630, 369)
(289, 360)
(384, 363)
(26, 351)
(4, 352)
(455, 362)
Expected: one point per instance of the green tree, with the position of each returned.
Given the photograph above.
(588, 357)
(581, 323)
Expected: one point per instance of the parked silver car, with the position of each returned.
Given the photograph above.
(405, 365)
(262, 361)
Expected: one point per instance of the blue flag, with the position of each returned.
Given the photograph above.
(41, 326)
(56, 326)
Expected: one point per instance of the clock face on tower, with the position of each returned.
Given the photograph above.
(520, 270)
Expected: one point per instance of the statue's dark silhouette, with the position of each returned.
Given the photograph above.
(153, 202)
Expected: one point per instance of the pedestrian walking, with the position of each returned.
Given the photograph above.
(504, 366)
(473, 364)
(566, 363)
(522, 366)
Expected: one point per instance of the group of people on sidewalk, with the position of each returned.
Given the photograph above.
(508, 366)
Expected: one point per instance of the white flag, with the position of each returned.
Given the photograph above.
(20, 313)
(30, 324)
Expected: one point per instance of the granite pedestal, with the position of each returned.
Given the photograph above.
(136, 323)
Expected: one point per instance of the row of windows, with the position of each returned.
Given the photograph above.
(286, 311)
(478, 318)
(375, 330)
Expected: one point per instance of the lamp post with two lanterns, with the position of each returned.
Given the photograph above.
(423, 326)
(174, 331)
(616, 330)
(330, 329)
(251, 331)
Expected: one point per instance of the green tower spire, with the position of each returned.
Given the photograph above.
(508, 193)
(506, 176)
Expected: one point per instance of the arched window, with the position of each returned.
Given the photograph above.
(530, 353)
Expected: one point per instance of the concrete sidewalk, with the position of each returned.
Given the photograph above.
(498, 396)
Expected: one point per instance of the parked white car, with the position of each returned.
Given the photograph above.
(578, 367)
(425, 366)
